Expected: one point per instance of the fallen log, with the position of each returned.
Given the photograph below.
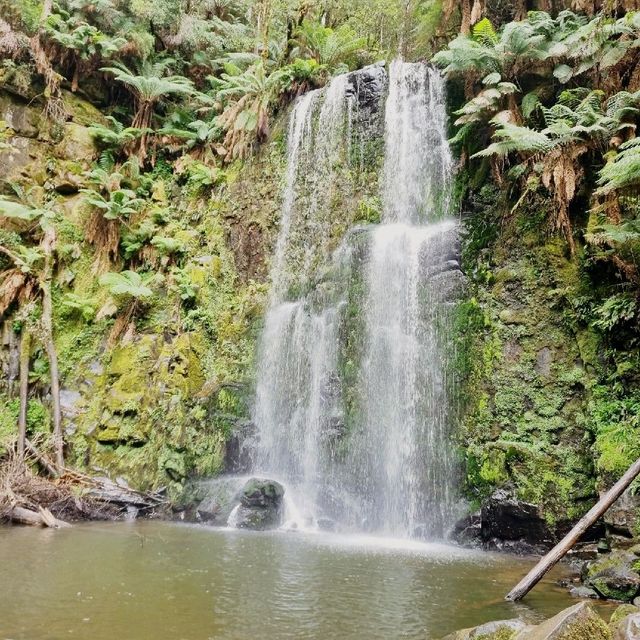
(563, 547)
(40, 518)
(50, 520)
(47, 465)
(106, 490)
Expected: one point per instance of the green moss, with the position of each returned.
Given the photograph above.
(593, 628)
(621, 612)
(501, 634)
(38, 420)
(524, 385)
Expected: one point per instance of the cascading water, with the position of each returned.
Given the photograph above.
(299, 341)
(352, 402)
(404, 440)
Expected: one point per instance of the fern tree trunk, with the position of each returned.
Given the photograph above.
(48, 245)
(142, 120)
(262, 28)
(465, 25)
(54, 107)
(25, 350)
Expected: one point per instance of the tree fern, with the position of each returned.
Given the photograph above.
(510, 137)
(484, 33)
(623, 172)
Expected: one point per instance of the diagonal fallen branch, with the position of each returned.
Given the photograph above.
(561, 549)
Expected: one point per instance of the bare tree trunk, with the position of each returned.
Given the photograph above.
(560, 550)
(46, 464)
(405, 35)
(48, 245)
(465, 25)
(25, 350)
(76, 77)
(262, 28)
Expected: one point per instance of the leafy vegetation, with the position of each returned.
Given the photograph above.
(134, 235)
(546, 108)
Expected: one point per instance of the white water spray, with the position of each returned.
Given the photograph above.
(363, 443)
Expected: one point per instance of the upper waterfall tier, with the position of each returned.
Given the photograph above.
(417, 164)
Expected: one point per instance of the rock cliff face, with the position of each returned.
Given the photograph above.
(163, 394)
(169, 398)
(534, 404)
(159, 402)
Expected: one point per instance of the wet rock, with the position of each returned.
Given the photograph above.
(628, 628)
(262, 493)
(504, 517)
(260, 505)
(468, 529)
(620, 613)
(614, 576)
(368, 86)
(616, 585)
(583, 592)
(575, 623)
(603, 546)
(257, 518)
(238, 449)
(212, 501)
(448, 285)
(209, 510)
(326, 524)
(496, 630)
(621, 518)
(579, 622)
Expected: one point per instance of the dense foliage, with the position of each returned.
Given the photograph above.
(181, 97)
(546, 108)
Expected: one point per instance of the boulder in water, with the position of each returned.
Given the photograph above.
(628, 628)
(579, 621)
(496, 630)
(260, 505)
(614, 576)
(583, 592)
(467, 530)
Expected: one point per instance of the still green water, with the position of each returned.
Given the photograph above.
(165, 581)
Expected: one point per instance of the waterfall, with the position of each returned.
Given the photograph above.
(418, 164)
(352, 399)
(406, 423)
(298, 348)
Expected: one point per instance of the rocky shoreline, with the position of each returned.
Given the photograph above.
(580, 622)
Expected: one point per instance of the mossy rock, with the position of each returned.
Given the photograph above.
(614, 576)
(81, 111)
(24, 119)
(621, 612)
(579, 622)
(495, 630)
(77, 144)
